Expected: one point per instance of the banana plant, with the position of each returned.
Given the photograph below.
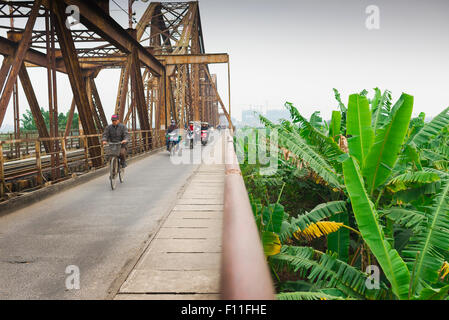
(390, 199)
(371, 229)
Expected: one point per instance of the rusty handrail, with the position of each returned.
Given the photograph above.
(244, 269)
(70, 163)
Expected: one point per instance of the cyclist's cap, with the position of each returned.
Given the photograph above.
(114, 117)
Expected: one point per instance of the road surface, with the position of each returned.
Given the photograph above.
(91, 227)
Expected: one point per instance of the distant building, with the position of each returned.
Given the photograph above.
(250, 118)
(276, 115)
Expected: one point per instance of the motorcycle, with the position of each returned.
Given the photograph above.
(173, 142)
(197, 132)
(190, 138)
(204, 136)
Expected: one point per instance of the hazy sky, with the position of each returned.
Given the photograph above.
(297, 51)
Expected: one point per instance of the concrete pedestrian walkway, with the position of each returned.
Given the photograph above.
(183, 259)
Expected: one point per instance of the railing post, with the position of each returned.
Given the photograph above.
(10, 146)
(38, 162)
(142, 147)
(64, 157)
(86, 152)
(133, 134)
(26, 138)
(2, 173)
(103, 160)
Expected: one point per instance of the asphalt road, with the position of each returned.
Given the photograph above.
(91, 227)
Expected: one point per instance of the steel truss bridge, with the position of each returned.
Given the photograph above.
(164, 70)
(164, 75)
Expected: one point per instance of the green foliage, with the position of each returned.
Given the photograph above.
(425, 250)
(28, 122)
(366, 216)
(432, 129)
(338, 242)
(386, 192)
(387, 144)
(359, 127)
(335, 125)
(325, 271)
(319, 213)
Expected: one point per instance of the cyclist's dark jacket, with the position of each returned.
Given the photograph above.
(116, 133)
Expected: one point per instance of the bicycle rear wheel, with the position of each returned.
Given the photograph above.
(113, 167)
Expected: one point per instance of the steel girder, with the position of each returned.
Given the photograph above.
(167, 43)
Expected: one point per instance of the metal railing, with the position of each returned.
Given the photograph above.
(16, 149)
(244, 271)
(60, 163)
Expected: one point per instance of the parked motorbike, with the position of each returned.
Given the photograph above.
(204, 137)
(173, 142)
(197, 132)
(190, 137)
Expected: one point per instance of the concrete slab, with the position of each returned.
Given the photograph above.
(193, 223)
(179, 296)
(212, 245)
(180, 261)
(217, 200)
(156, 281)
(183, 260)
(188, 233)
(198, 207)
(197, 214)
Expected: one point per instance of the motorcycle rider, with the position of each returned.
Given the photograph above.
(204, 132)
(117, 132)
(171, 128)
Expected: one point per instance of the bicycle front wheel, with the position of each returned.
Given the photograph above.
(113, 168)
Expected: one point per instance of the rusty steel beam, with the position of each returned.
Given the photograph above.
(70, 118)
(34, 57)
(17, 59)
(146, 19)
(92, 106)
(139, 92)
(76, 81)
(168, 59)
(193, 58)
(98, 104)
(123, 89)
(94, 18)
(219, 99)
(34, 105)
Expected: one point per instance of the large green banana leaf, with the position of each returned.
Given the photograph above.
(334, 128)
(381, 111)
(338, 241)
(422, 251)
(320, 212)
(387, 144)
(392, 264)
(340, 103)
(432, 128)
(358, 124)
(376, 100)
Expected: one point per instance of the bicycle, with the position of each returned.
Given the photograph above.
(115, 166)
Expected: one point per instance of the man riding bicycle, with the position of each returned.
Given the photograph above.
(117, 132)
